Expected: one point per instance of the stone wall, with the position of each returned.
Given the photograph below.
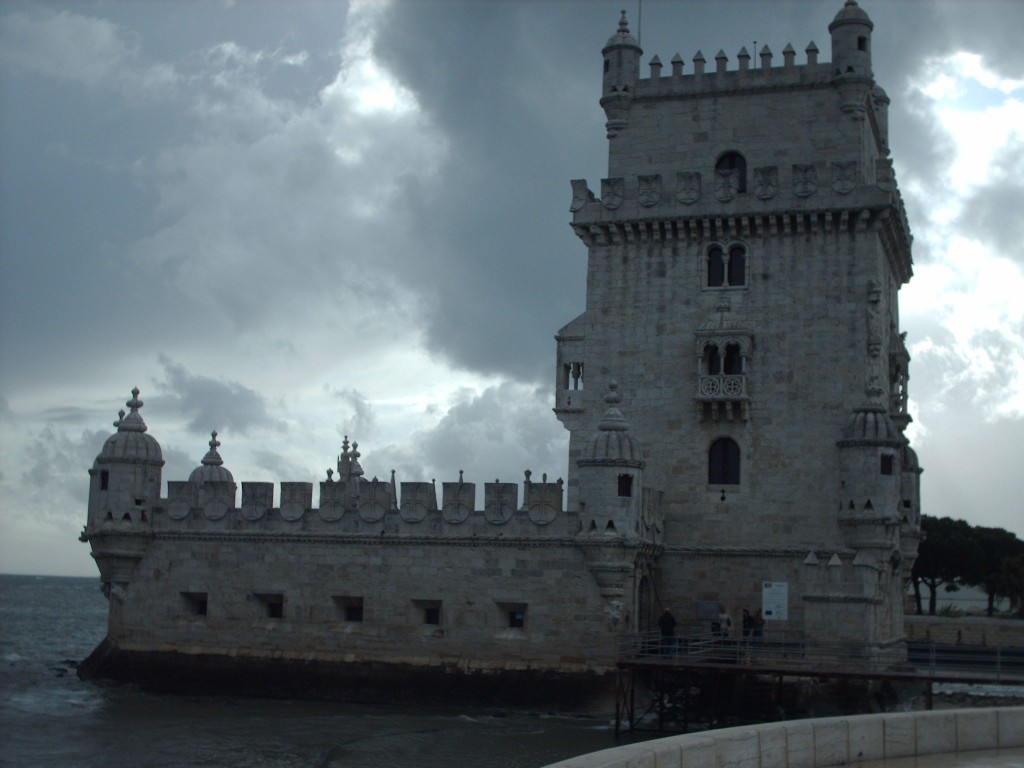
(971, 630)
(822, 742)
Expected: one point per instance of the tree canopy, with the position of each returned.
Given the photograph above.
(954, 553)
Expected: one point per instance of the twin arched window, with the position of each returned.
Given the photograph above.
(727, 268)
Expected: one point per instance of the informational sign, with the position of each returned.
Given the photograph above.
(775, 600)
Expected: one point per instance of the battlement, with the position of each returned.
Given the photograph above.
(358, 506)
(723, 76)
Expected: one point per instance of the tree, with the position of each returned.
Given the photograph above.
(948, 555)
(1012, 578)
(995, 548)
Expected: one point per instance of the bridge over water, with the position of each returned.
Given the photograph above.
(703, 679)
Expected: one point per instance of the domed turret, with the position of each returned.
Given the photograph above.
(870, 425)
(621, 55)
(212, 468)
(125, 478)
(612, 443)
(851, 56)
(130, 442)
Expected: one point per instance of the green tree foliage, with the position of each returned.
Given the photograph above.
(1012, 576)
(997, 547)
(948, 556)
(954, 553)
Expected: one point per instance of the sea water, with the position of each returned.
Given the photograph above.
(48, 717)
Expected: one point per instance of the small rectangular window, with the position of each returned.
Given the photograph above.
(513, 615)
(625, 485)
(349, 608)
(195, 603)
(428, 612)
(886, 467)
(272, 603)
(104, 479)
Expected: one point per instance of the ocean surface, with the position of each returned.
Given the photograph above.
(48, 717)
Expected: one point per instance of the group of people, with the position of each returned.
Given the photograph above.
(752, 627)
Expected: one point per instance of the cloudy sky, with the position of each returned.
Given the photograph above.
(295, 221)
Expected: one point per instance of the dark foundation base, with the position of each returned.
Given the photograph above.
(363, 682)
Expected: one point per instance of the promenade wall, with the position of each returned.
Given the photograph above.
(822, 742)
(964, 630)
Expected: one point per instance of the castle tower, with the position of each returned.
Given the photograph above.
(744, 261)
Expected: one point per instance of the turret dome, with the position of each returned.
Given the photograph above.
(612, 444)
(130, 443)
(212, 469)
(622, 38)
(851, 13)
(870, 425)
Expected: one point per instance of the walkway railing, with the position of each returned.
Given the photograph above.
(777, 650)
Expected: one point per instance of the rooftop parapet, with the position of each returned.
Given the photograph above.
(732, 74)
(359, 505)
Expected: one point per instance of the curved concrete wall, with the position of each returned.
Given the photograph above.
(821, 742)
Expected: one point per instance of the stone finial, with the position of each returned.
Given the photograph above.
(698, 63)
(721, 61)
(744, 59)
(212, 458)
(677, 66)
(133, 421)
(788, 56)
(120, 418)
(655, 68)
(812, 53)
(766, 57)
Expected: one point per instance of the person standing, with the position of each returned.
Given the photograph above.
(667, 626)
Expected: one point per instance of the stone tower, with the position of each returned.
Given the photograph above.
(744, 261)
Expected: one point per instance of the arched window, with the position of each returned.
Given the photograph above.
(724, 462)
(726, 269)
(733, 360)
(734, 164)
(712, 360)
(716, 267)
(737, 265)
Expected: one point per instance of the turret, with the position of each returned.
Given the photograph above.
(125, 478)
(611, 476)
(851, 56)
(621, 72)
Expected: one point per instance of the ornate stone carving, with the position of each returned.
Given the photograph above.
(650, 190)
(613, 192)
(844, 177)
(766, 182)
(805, 180)
(581, 195)
(687, 187)
(727, 183)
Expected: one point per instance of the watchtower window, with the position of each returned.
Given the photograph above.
(862, 43)
(734, 163)
(104, 479)
(724, 462)
(712, 360)
(886, 464)
(625, 485)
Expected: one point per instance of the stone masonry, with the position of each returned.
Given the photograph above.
(735, 393)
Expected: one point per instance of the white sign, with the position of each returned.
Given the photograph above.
(775, 600)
